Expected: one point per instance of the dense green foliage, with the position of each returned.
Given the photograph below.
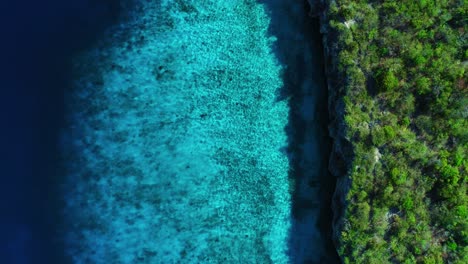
(406, 115)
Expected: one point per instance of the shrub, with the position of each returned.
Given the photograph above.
(388, 81)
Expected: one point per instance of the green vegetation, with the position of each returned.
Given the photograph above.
(406, 115)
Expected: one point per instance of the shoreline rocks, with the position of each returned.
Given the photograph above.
(341, 155)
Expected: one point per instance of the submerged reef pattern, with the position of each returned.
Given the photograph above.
(174, 140)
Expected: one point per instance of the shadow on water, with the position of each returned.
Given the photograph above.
(38, 40)
(299, 49)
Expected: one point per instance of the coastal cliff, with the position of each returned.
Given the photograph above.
(341, 153)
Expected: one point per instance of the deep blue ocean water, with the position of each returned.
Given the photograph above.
(37, 39)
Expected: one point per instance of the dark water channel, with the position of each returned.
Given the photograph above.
(299, 48)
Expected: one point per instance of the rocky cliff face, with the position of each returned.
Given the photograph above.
(342, 153)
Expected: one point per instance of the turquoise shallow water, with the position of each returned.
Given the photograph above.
(177, 136)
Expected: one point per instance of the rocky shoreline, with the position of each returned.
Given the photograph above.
(341, 155)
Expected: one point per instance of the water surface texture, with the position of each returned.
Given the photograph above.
(193, 137)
